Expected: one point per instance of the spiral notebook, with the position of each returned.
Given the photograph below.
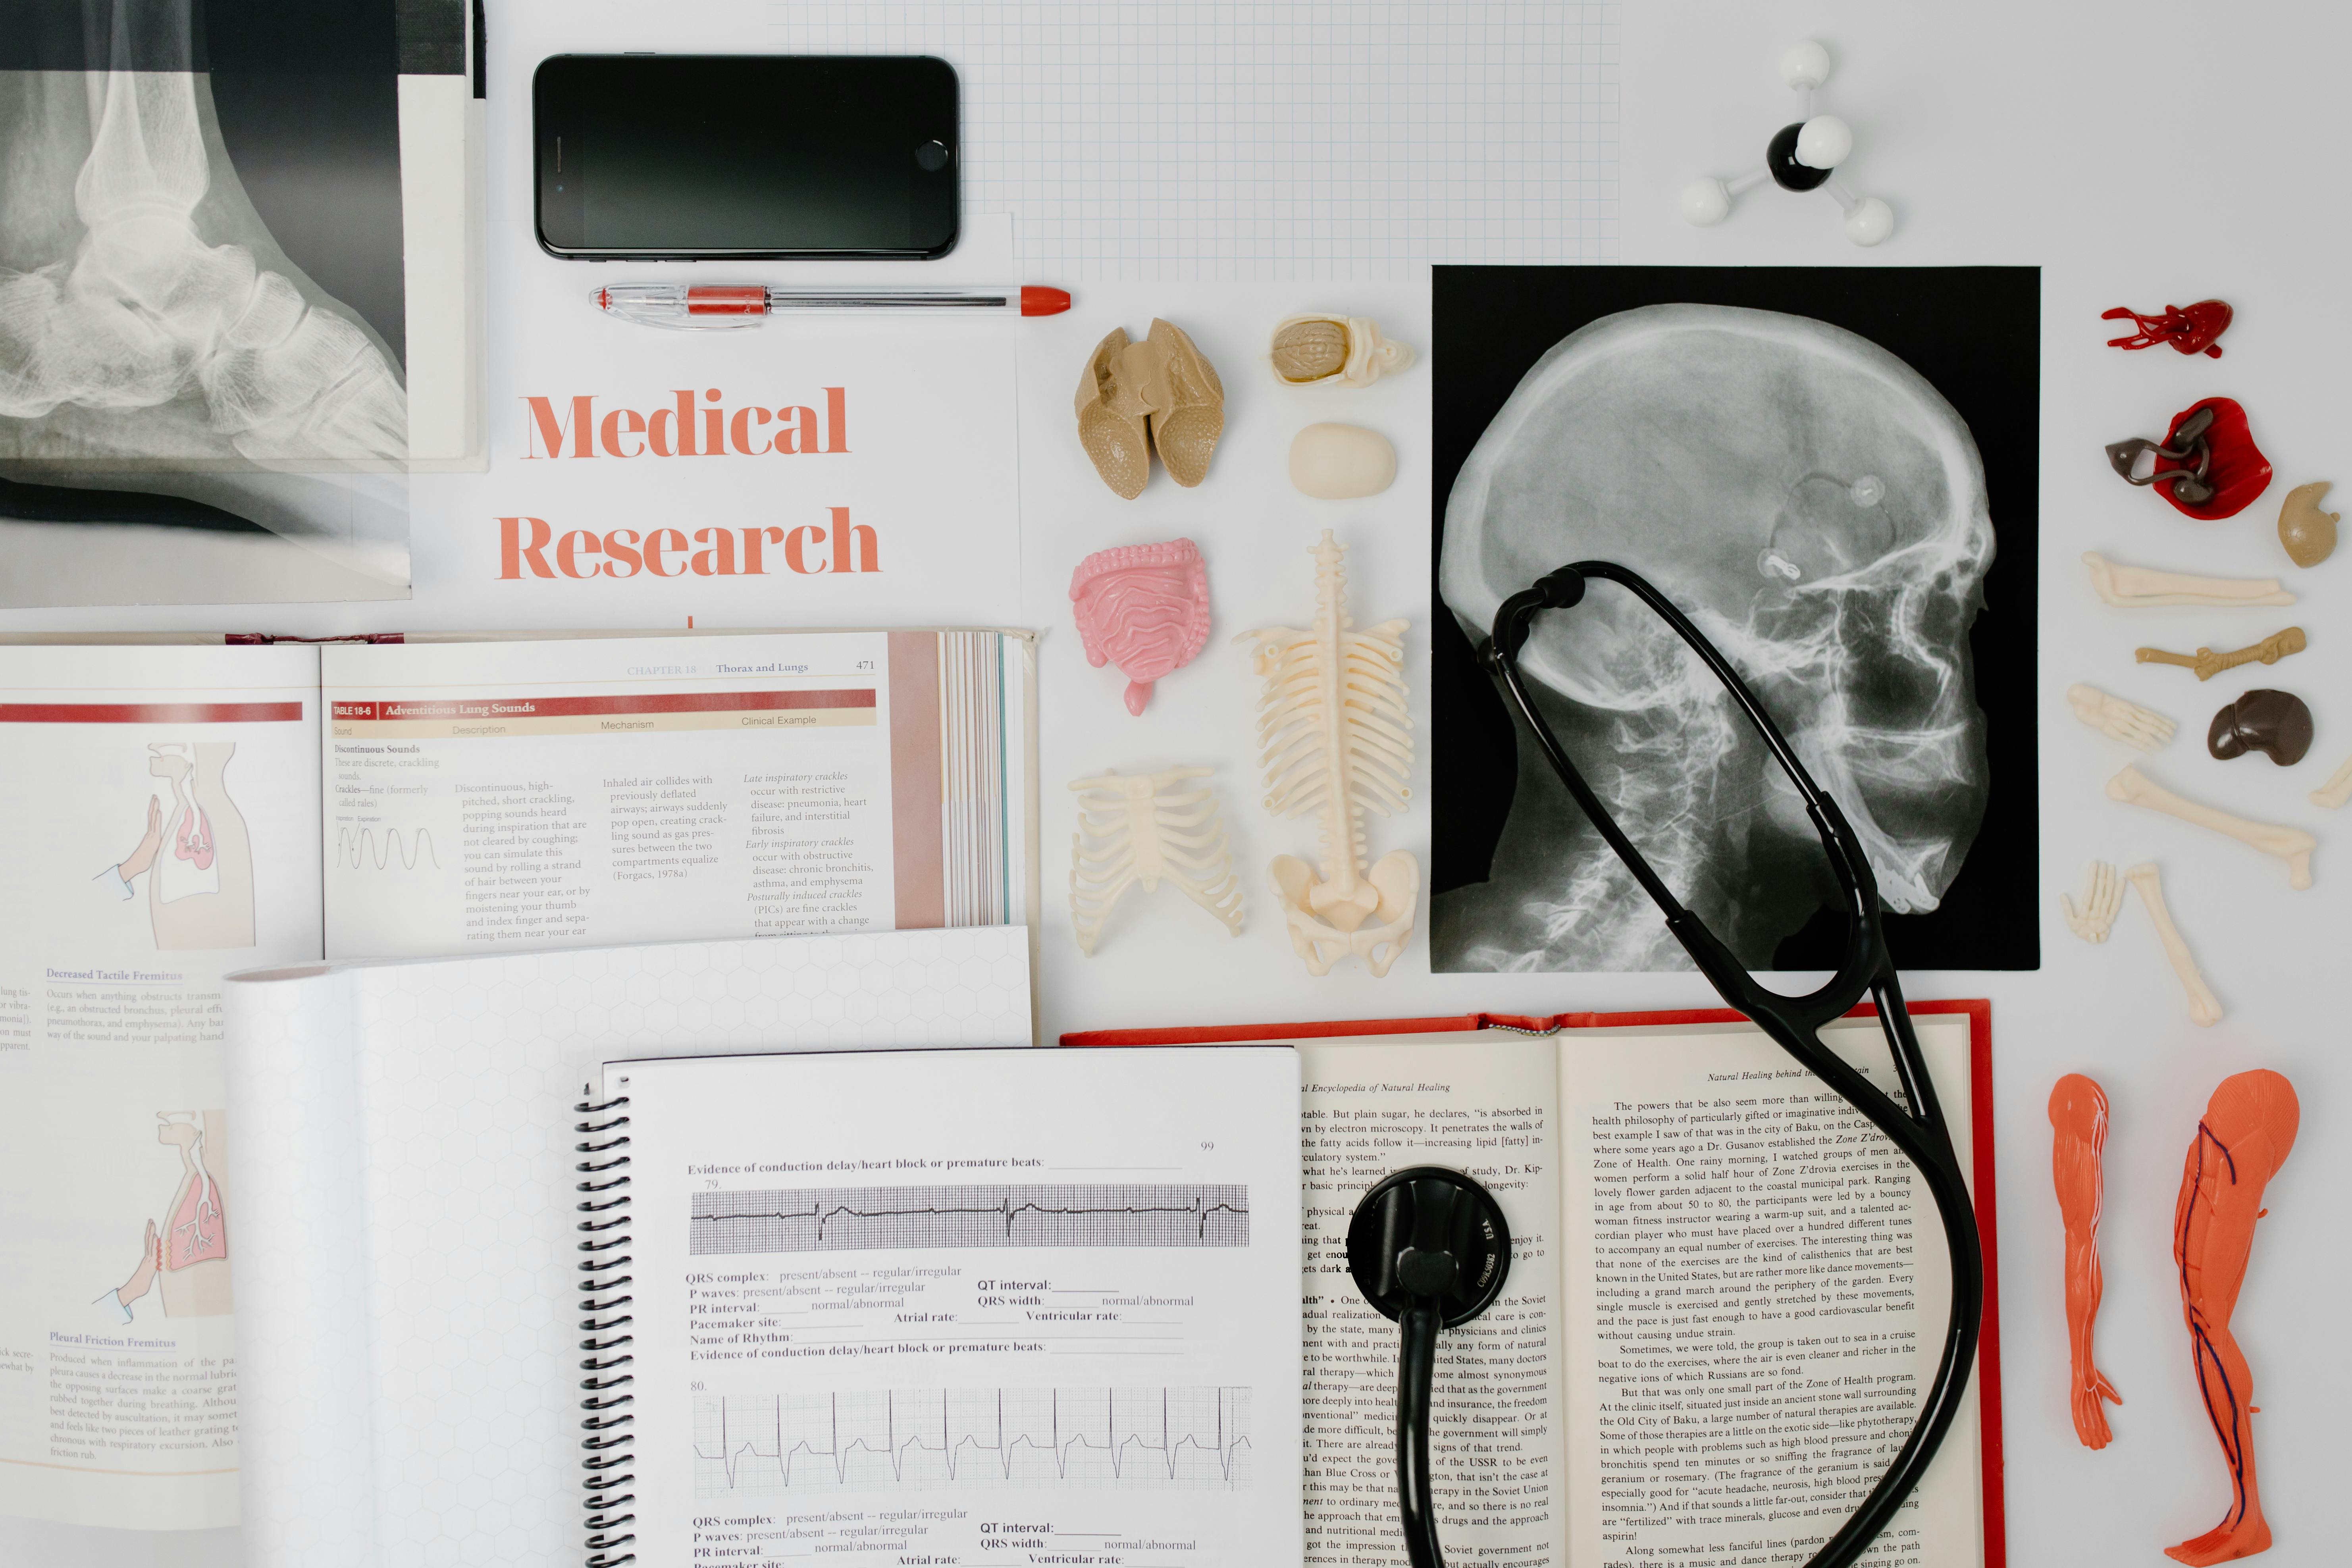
(411, 1364)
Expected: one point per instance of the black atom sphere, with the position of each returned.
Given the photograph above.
(1780, 157)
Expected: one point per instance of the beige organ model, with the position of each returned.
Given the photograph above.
(1136, 829)
(1337, 742)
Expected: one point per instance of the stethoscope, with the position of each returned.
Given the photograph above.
(1428, 1246)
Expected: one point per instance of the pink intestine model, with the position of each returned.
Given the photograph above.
(1144, 607)
(2247, 1131)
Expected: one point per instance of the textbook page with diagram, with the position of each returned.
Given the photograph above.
(1718, 1323)
(173, 813)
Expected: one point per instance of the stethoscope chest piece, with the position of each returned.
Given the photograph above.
(1430, 1237)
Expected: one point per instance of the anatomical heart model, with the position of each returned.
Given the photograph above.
(1336, 741)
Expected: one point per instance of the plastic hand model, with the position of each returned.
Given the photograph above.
(2141, 729)
(2248, 1130)
(1336, 740)
(2078, 1124)
(2148, 588)
(2291, 846)
(1144, 607)
(2102, 898)
(1134, 828)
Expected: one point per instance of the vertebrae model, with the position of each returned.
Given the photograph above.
(1336, 741)
(1802, 156)
(1136, 827)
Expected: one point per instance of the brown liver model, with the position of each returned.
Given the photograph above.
(2078, 1120)
(2249, 1127)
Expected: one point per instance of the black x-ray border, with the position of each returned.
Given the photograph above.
(1975, 333)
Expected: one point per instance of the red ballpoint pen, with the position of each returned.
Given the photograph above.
(748, 304)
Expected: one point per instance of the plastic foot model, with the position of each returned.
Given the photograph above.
(2247, 1132)
(2291, 846)
(2141, 729)
(1134, 829)
(1144, 607)
(2078, 1125)
(1336, 740)
(2102, 899)
(2204, 1008)
(1801, 156)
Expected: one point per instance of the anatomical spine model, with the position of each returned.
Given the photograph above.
(1137, 827)
(1336, 740)
(2248, 1129)
(2078, 1125)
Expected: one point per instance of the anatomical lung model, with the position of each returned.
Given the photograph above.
(2078, 1118)
(2248, 1129)
(1336, 740)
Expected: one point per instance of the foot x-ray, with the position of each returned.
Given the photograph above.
(188, 411)
(1752, 442)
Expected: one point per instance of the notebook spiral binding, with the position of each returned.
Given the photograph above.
(604, 1320)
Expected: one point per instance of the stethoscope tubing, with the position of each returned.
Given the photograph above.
(1921, 1133)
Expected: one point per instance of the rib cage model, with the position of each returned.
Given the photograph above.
(1335, 739)
(1136, 827)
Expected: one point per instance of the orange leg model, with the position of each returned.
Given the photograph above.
(2078, 1120)
(2249, 1127)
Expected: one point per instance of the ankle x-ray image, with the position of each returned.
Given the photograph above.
(204, 307)
(1790, 457)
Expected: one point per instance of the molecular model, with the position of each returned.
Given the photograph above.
(1801, 156)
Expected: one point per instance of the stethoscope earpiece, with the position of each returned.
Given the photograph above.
(1429, 1249)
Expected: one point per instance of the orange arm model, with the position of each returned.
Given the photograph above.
(2249, 1127)
(2078, 1120)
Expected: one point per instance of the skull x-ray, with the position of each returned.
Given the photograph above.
(1821, 509)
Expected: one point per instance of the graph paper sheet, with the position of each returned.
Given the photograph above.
(1154, 139)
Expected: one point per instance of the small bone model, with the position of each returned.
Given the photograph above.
(2292, 845)
(2204, 1008)
(2336, 790)
(1333, 350)
(1336, 740)
(2308, 533)
(2275, 723)
(2102, 898)
(1144, 607)
(1801, 156)
(2142, 729)
(2078, 1125)
(2145, 588)
(1136, 829)
(2189, 329)
(2206, 464)
(2246, 1134)
(2209, 664)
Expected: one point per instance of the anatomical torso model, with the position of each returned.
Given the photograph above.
(2078, 1120)
(2247, 1131)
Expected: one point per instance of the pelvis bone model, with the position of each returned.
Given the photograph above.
(1336, 740)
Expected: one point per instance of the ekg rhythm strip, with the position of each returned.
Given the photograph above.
(853, 1218)
(1183, 1439)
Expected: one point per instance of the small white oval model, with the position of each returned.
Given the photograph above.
(1341, 462)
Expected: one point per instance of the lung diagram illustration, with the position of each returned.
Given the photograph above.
(196, 853)
(183, 1256)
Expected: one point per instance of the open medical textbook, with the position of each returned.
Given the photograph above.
(1725, 1297)
(861, 1305)
(171, 814)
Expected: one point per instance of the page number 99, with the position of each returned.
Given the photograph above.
(1205, 1144)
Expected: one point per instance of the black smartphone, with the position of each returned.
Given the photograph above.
(682, 157)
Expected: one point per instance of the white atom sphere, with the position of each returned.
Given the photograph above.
(1824, 143)
(1806, 64)
(1870, 222)
(1707, 201)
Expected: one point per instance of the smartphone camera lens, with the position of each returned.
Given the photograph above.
(932, 157)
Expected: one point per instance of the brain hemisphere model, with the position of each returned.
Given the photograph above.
(2248, 1129)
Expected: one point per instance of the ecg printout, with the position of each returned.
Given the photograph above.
(1268, 139)
(928, 1305)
